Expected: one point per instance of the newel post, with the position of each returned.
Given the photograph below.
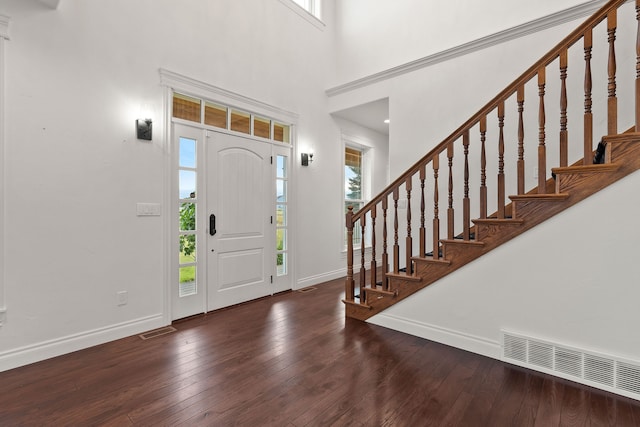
(350, 284)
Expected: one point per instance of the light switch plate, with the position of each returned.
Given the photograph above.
(148, 209)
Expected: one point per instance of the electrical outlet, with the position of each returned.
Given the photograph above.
(122, 297)
(535, 173)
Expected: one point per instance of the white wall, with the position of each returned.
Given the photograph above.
(76, 79)
(375, 36)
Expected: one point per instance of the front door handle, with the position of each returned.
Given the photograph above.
(212, 224)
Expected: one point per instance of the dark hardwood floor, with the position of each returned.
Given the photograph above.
(293, 360)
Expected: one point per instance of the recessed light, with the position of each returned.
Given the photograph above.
(387, 121)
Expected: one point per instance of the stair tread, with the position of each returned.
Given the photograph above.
(541, 197)
(357, 304)
(429, 259)
(380, 291)
(514, 221)
(405, 276)
(602, 168)
(462, 242)
(621, 137)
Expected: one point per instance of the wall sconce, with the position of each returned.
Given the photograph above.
(307, 158)
(144, 129)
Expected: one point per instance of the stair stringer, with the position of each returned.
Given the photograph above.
(528, 210)
(579, 291)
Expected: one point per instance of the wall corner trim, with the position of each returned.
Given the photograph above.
(531, 27)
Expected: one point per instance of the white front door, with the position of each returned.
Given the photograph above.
(240, 230)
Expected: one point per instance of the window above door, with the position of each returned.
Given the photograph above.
(200, 111)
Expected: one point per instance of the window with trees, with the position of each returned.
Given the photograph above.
(353, 185)
(187, 208)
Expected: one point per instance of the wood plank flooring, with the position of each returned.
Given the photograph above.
(294, 360)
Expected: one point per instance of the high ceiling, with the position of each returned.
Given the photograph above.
(370, 115)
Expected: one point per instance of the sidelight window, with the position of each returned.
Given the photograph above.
(187, 204)
(282, 207)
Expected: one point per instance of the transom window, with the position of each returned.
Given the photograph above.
(233, 119)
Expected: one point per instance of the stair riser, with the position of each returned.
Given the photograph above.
(537, 208)
(460, 253)
(493, 233)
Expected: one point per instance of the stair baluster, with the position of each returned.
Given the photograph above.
(542, 149)
(588, 101)
(450, 212)
(483, 167)
(501, 179)
(521, 163)
(363, 270)
(396, 247)
(409, 240)
(385, 255)
(423, 230)
(466, 202)
(374, 267)
(612, 106)
(436, 220)
(564, 134)
(350, 284)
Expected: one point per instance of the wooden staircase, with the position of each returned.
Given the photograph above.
(438, 249)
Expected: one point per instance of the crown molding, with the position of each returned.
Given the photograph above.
(190, 86)
(531, 27)
(4, 26)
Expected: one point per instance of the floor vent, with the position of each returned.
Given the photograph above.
(586, 367)
(305, 290)
(157, 332)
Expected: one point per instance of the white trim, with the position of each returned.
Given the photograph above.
(59, 346)
(531, 27)
(321, 278)
(304, 13)
(468, 342)
(167, 226)
(4, 35)
(189, 86)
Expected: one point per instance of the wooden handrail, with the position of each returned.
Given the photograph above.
(507, 92)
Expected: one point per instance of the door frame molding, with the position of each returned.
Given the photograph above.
(174, 82)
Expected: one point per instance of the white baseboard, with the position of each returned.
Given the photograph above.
(439, 334)
(319, 278)
(56, 347)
